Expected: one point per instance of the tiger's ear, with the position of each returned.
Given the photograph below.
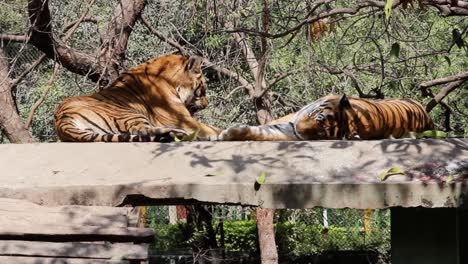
(344, 102)
(194, 64)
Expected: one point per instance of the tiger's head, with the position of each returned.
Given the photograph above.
(322, 119)
(194, 93)
(189, 82)
(184, 79)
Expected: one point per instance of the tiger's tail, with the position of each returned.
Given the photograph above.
(70, 133)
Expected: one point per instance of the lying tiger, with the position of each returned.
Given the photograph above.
(154, 101)
(335, 117)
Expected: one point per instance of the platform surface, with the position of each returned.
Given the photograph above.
(333, 174)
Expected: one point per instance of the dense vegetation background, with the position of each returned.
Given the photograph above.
(364, 54)
(263, 59)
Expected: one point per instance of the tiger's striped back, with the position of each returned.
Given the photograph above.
(378, 119)
(338, 117)
(151, 102)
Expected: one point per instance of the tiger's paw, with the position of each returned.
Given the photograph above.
(167, 134)
(236, 133)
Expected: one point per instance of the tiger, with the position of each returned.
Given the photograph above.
(340, 117)
(154, 101)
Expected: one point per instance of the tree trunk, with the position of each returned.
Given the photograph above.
(266, 236)
(106, 63)
(10, 122)
(115, 39)
(43, 38)
(262, 102)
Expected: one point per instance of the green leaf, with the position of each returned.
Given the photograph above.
(356, 228)
(449, 62)
(449, 179)
(392, 171)
(457, 38)
(388, 8)
(396, 170)
(432, 134)
(395, 51)
(190, 137)
(261, 178)
(214, 173)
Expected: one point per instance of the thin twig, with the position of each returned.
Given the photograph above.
(36, 63)
(43, 96)
(13, 37)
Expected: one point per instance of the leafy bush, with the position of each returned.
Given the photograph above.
(240, 236)
(169, 237)
(293, 239)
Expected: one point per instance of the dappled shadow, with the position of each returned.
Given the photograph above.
(31, 230)
(334, 174)
(299, 174)
(348, 180)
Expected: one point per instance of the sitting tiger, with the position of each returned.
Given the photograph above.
(154, 101)
(335, 117)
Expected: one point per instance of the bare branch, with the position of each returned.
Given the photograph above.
(445, 7)
(43, 96)
(13, 38)
(311, 19)
(454, 82)
(36, 63)
(54, 48)
(109, 63)
(161, 36)
(281, 76)
(115, 38)
(463, 76)
(442, 94)
(225, 71)
(10, 121)
(78, 22)
(449, 7)
(348, 71)
(70, 29)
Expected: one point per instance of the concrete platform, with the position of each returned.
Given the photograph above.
(333, 174)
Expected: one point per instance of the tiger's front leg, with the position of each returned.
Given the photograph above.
(236, 133)
(276, 132)
(157, 134)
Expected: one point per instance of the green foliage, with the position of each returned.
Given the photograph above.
(169, 237)
(293, 239)
(432, 134)
(413, 44)
(13, 16)
(215, 41)
(395, 51)
(240, 236)
(301, 239)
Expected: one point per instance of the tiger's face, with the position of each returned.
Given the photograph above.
(318, 125)
(321, 120)
(197, 99)
(192, 90)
